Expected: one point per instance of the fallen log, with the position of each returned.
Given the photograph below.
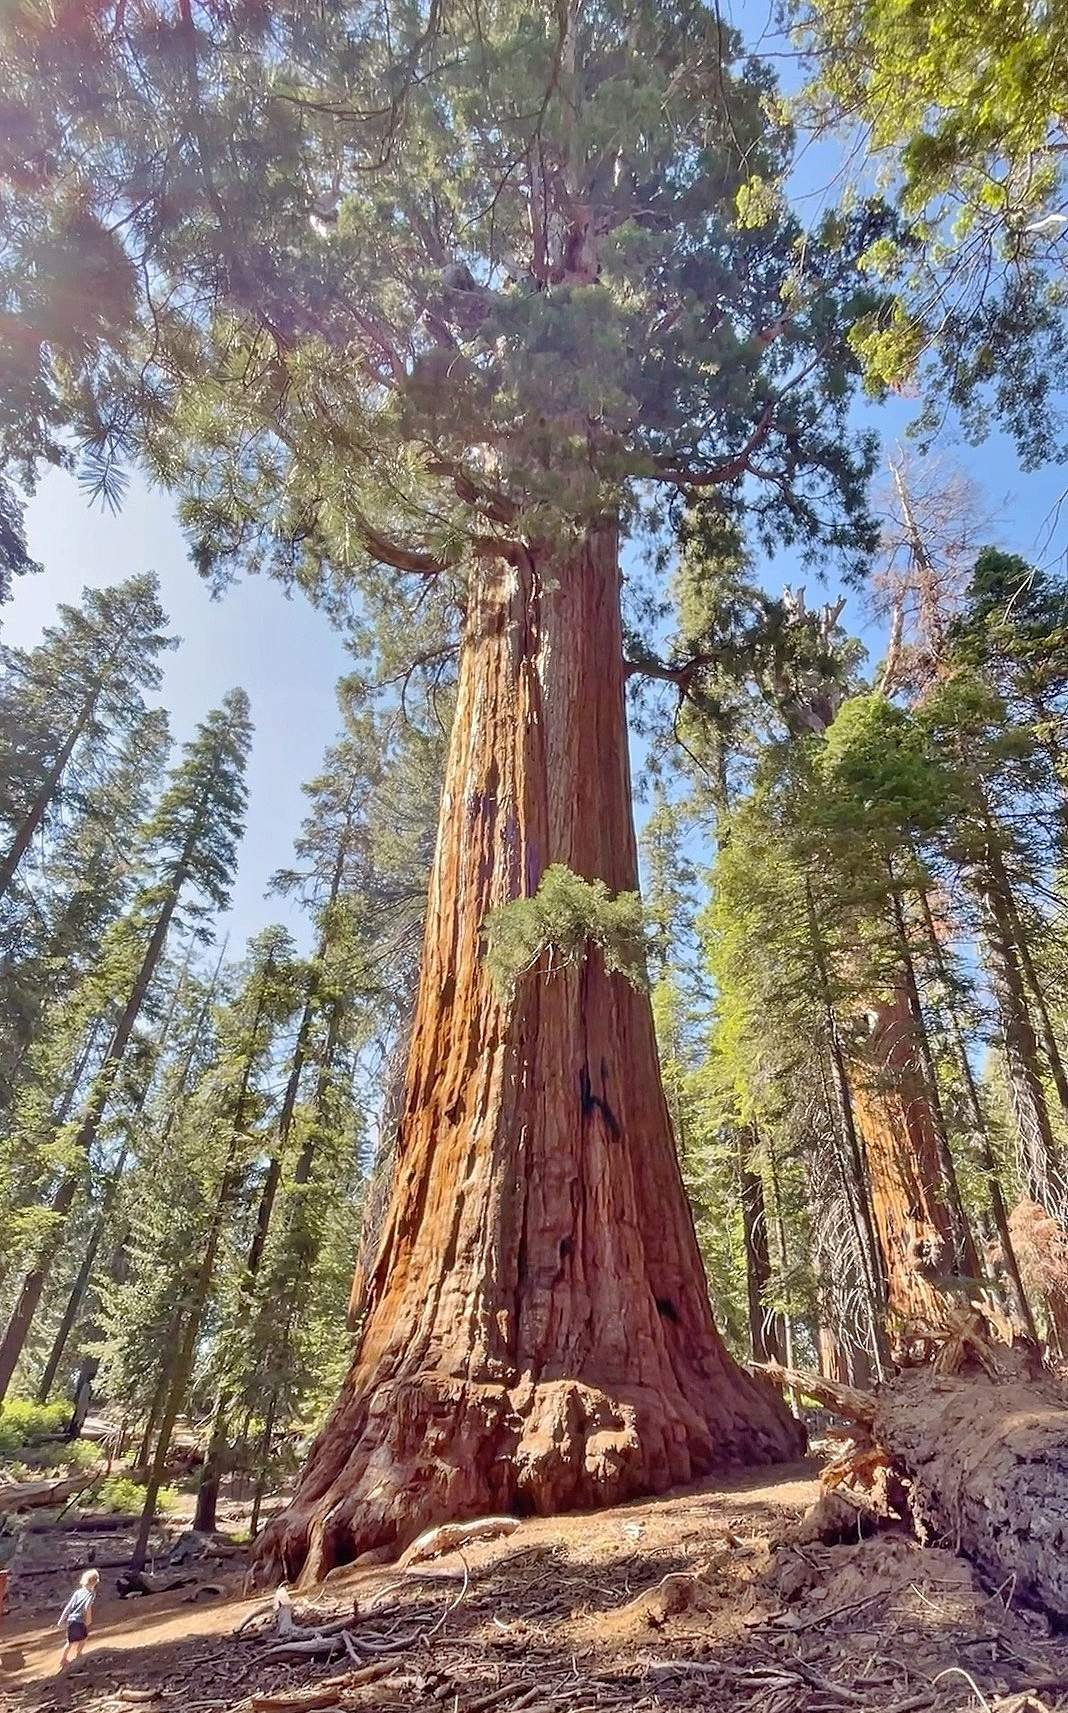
(988, 1463)
(22, 1575)
(93, 1523)
(325, 1694)
(137, 1582)
(28, 1495)
(986, 1459)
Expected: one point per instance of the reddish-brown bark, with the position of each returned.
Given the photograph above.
(901, 1152)
(538, 1335)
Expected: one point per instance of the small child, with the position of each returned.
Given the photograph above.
(77, 1614)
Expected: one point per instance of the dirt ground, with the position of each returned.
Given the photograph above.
(574, 1615)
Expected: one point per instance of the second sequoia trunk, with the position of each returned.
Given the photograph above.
(538, 1335)
(910, 1198)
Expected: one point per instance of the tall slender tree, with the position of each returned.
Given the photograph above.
(233, 1095)
(80, 889)
(85, 678)
(190, 847)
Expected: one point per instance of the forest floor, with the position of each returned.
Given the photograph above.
(573, 1615)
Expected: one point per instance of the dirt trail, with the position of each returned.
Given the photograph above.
(573, 1615)
(30, 1648)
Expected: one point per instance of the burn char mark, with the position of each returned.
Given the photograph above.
(667, 1310)
(566, 1248)
(595, 1103)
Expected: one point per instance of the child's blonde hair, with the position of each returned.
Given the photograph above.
(89, 1578)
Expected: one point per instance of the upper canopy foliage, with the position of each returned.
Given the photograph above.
(962, 107)
(383, 286)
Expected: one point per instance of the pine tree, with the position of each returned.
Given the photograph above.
(230, 1107)
(769, 693)
(114, 1175)
(363, 858)
(982, 636)
(135, 1310)
(190, 848)
(81, 684)
(80, 889)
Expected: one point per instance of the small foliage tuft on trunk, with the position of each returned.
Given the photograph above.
(564, 919)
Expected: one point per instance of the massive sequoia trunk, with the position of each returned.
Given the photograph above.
(538, 1334)
(904, 1163)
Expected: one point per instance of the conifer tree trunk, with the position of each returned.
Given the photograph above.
(212, 1472)
(180, 1365)
(965, 1254)
(998, 1208)
(155, 1408)
(44, 796)
(859, 1189)
(269, 1192)
(1040, 1164)
(903, 1160)
(81, 1282)
(1046, 1032)
(29, 1189)
(63, 1199)
(538, 1334)
(765, 1342)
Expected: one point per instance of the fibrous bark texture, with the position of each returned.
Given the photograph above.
(901, 1151)
(989, 1466)
(538, 1335)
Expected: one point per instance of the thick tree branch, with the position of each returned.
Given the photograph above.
(731, 468)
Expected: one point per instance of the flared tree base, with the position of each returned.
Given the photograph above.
(431, 1450)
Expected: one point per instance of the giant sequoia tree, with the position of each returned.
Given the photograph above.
(443, 293)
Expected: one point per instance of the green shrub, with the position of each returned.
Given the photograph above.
(118, 1494)
(80, 1454)
(58, 1457)
(22, 1422)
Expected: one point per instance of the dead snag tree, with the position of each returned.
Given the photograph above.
(447, 291)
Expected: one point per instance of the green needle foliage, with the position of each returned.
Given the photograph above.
(560, 923)
(394, 292)
(961, 110)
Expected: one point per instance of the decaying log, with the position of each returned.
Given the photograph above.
(134, 1582)
(316, 1695)
(76, 1523)
(310, 1649)
(29, 1495)
(848, 1401)
(988, 1461)
(986, 1458)
(325, 1694)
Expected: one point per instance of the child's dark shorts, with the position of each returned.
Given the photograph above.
(76, 1630)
